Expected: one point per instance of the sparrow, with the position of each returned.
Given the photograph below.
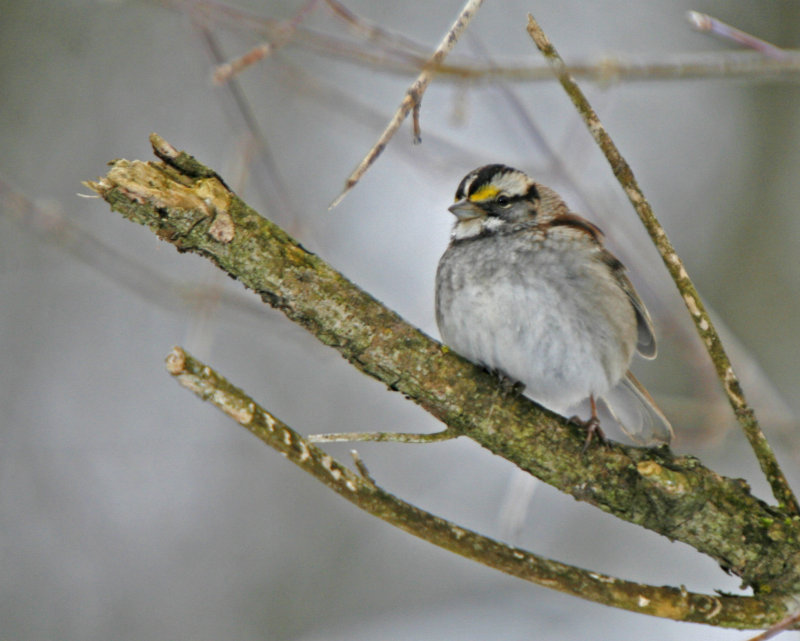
(526, 289)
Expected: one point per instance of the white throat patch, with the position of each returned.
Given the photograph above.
(471, 227)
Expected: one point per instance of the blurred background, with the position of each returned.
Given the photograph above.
(130, 510)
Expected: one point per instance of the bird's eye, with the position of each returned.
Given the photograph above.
(502, 200)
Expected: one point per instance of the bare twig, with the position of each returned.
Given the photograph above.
(705, 328)
(225, 71)
(399, 55)
(707, 23)
(361, 467)
(788, 623)
(413, 97)
(383, 437)
(242, 111)
(374, 33)
(661, 601)
(348, 106)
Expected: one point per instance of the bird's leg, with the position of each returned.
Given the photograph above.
(592, 425)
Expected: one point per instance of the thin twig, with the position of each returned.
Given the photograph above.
(225, 71)
(383, 437)
(662, 601)
(374, 33)
(399, 55)
(781, 626)
(348, 106)
(279, 195)
(709, 24)
(361, 467)
(705, 328)
(412, 98)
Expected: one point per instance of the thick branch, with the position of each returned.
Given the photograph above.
(185, 204)
(661, 601)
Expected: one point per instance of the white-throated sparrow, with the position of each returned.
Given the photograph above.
(527, 289)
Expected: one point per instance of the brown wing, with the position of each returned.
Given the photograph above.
(645, 335)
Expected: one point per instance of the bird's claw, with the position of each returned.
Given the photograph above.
(592, 427)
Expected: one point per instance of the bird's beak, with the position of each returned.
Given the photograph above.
(465, 209)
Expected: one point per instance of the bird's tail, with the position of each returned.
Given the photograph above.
(637, 413)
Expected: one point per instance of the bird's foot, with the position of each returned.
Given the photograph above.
(592, 426)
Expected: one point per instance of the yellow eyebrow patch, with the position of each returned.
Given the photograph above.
(484, 193)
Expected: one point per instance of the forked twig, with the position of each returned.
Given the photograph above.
(413, 97)
(705, 328)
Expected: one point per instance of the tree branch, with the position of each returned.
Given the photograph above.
(705, 328)
(383, 437)
(188, 205)
(400, 55)
(661, 601)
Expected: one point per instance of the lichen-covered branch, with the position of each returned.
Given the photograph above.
(705, 328)
(661, 601)
(189, 206)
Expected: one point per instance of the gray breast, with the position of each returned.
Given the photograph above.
(551, 319)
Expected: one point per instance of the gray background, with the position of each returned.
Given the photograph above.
(129, 510)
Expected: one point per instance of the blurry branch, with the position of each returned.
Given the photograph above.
(390, 42)
(188, 205)
(305, 85)
(392, 53)
(225, 71)
(707, 23)
(361, 490)
(705, 328)
(50, 225)
(241, 113)
(413, 98)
